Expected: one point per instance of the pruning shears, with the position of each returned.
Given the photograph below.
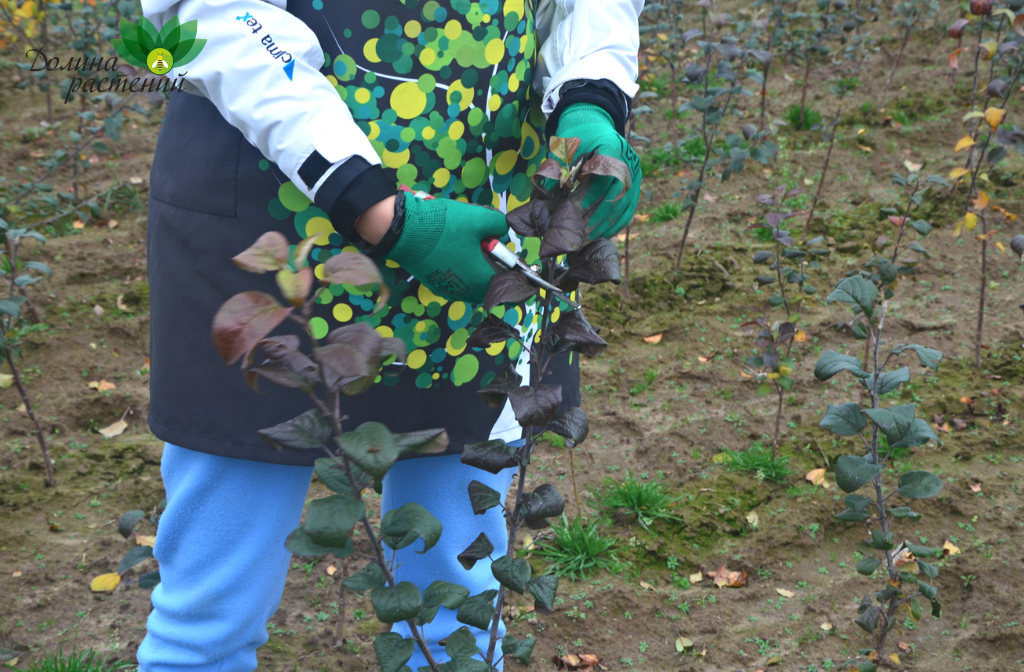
(511, 260)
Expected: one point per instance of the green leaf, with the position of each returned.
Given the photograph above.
(919, 485)
(926, 356)
(404, 525)
(126, 523)
(868, 620)
(491, 456)
(427, 441)
(920, 433)
(482, 497)
(572, 424)
(855, 291)
(369, 577)
(894, 421)
(923, 551)
(905, 512)
(544, 502)
(543, 589)
(866, 666)
(513, 573)
(857, 502)
(888, 380)
(393, 651)
(9, 307)
(149, 580)
(852, 515)
(444, 594)
(921, 226)
(883, 541)
(299, 543)
(330, 520)
(478, 610)
(852, 472)
(927, 590)
(929, 570)
(333, 475)
(134, 556)
(396, 604)
(843, 419)
(936, 609)
(309, 431)
(520, 649)
(868, 565)
(831, 362)
(478, 550)
(461, 645)
(372, 447)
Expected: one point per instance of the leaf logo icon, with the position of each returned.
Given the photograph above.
(144, 46)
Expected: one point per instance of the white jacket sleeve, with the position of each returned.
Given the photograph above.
(261, 68)
(587, 39)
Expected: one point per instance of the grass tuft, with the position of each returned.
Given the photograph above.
(811, 118)
(577, 551)
(758, 460)
(86, 661)
(646, 501)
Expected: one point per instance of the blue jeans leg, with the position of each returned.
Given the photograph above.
(440, 485)
(222, 559)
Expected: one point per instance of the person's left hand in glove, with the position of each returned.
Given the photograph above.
(596, 131)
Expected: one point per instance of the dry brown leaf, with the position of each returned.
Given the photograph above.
(78, 224)
(145, 539)
(800, 336)
(895, 657)
(753, 519)
(696, 577)
(903, 646)
(967, 400)
(913, 167)
(785, 593)
(827, 627)
(709, 198)
(816, 476)
(22, 409)
(976, 487)
(683, 643)
(112, 223)
(703, 651)
(725, 578)
(586, 662)
(121, 304)
(104, 583)
(949, 549)
(653, 339)
(102, 385)
(6, 380)
(116, 429)
(16, 573)
(646, 586)
(331, 570)
(98, 309)
(865, 148)
(704, 360)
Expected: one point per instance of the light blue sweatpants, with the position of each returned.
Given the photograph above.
(223, 562)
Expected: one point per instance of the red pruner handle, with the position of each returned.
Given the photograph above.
(501, 253)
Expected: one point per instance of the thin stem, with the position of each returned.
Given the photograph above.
(974, 93)
(899, 57)
(778, 419)
(778, 272)
(48, 464)
(803, 94)
(981, 293)
(903, 222)
(824, 171)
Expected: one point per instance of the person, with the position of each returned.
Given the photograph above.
(305, 116)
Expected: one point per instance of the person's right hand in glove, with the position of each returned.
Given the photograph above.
(439, 242)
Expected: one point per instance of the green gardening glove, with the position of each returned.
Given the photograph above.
(440, 246)
(596, 131)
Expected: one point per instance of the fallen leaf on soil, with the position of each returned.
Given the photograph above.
(102, 385)
(785, 593)
(55, 527)
(720, 458)
(6, 380)
(135, 180)
(949, 549)
(112, 223)
(725, 578)
(683, 643)
(913, 167)
(331, 569)
(145, 539)
(641, 218)
(904, 646)
(16, 573)
(121, 304)
(116, 429)
(646, 586)
(944, 427)
(800, 336)
(98, 309)
(816, 476)
(696, 577)
(583, 663)
(622, 237)
(865, 148)
(22, 409)
(703, 360)
(966, 400)
(808, 182)
(895, 657)
(653, 339)
(861, 131)
(959, 424)
(104, 583)
(703, 651)
(753, 519)
(774, 660)
(709, 198)
(827, 627)
(78, 224)
(976, 487)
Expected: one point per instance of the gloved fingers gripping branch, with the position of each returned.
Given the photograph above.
(440, 246)
(596, 131)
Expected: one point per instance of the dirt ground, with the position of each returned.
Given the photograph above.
(694, 403)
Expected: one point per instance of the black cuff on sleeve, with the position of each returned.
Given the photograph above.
(391, 236)
(349, 191)
(601, 92)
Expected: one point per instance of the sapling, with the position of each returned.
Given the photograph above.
(905, 569)
(15, 274)
(557, 215)
(908, 14)
(806, 43)
(773, 368)
(777, 16)
(347, 361)
(712, 103)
